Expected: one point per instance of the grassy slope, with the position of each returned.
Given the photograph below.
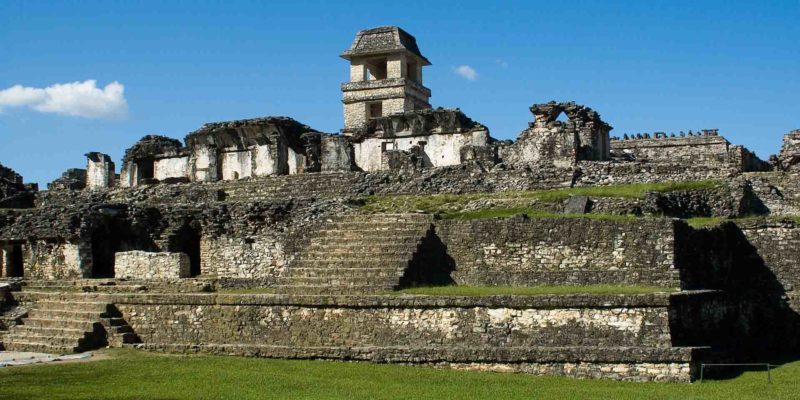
(138, 375)
(532, 290)
(516, 202)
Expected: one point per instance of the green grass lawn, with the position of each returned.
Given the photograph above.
(130, 374)
(455, 290)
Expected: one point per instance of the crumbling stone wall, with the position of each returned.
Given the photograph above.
(704, 148)
(148, 265)
(393, 322)
(535, 334)
(13, 192)
(99, 171)
(777, 193)
(789, 157)
(521, 251)
(438, 136)
(54, 259)
(71, 179)
(583, 137)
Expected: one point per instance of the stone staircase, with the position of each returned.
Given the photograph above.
(64, 323)
(115, 285)
(357, 254)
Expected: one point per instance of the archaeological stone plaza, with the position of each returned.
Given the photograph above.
(265, 237)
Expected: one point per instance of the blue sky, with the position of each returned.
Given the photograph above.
(644, 66)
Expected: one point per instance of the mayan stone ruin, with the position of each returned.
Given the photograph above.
(265, 237)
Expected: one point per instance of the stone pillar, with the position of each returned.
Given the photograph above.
(99, 171)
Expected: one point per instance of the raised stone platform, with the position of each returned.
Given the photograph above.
(613, 336)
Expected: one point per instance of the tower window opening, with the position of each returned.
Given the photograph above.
(376, 69)
(374, 110)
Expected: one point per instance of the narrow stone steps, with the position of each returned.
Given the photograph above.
(28, 331)
(356, 254)
(346, 262)
(83, 306)
(332, 290)
(36, 347)
(65, 314)
(360, 246)
(84, 325)
(375, 233)
(345, 282)
(342, 272)
(365, 240)
(80, 342)
(340, 255)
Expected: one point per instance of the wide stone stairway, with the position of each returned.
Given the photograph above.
(357, 254)
(66, 323)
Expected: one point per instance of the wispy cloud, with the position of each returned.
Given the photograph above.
(502, 63)
(466, 72)
(79, 99)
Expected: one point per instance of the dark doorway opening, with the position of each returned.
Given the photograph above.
(146, 169)
(15, 262)
(105, 243)
(187, 240)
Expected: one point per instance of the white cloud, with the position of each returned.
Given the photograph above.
(466, 72)
(79, 99)
(502, 63)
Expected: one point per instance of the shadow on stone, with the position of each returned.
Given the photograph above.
(431, 265)
(747, 318)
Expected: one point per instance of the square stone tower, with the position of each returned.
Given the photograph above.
(385, 77)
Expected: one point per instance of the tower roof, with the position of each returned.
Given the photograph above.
(383, 40)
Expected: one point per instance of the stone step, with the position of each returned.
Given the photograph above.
(375, 225)
(357, 246)
(364, 241)
(66, 314)
(88, 306)
(346, 272)
(34, 347)
(80, 289)
(374, 233)
(348, 262)
(375, 256)
(343, 282)
(27, 330)
(54, 340)
(331, 290)
(83, 325)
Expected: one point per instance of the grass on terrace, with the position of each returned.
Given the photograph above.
(131, 374)
(455, 290)
(710, 222)
(517, 201)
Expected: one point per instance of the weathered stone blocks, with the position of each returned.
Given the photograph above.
(146, 265)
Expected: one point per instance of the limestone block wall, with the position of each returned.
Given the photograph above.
(99, 171)
(789, 157)
(622, 337)
(173, 167)
(439, 150)
(396, 322)
(203, 164)
(778, 192)
(56, 259)
(148, 265)
(519, 251)
(693, 150)
(236, 165)
(556, 144)
(260, 259)
(778, 245)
